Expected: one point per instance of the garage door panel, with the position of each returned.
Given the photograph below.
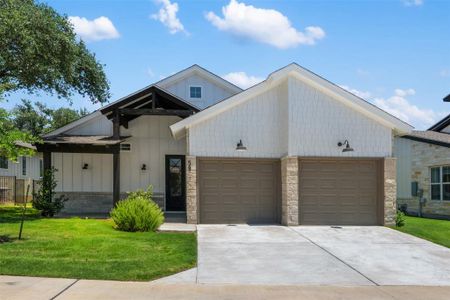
(338, 192)
(245, 191)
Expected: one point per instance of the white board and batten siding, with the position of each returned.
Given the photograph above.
(211, 93)
(32, 168)
(150, 143)
(100, 125)
(317, 122)
(293, 119)
(260, 122)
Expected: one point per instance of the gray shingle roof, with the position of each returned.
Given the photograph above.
(428, 136)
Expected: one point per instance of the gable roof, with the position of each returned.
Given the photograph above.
(306, 76)
(441, 124)
(196, 69)
(430, 137)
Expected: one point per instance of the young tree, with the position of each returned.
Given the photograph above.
(39, 51)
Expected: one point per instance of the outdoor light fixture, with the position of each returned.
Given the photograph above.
(144, 167)
(85, 166)
(347, 146)
(240, 146)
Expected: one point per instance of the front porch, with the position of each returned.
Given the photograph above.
(96, 171)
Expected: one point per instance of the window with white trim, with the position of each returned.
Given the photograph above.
(3, 162)
(440, 183)
(195, 92)
(125, 147)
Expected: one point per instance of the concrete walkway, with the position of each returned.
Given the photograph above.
(318, 255)
(15, 288)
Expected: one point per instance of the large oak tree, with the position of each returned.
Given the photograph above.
(39, 51)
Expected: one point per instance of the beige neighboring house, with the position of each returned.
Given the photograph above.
(293, 149)
(423, 170)
(15, 176)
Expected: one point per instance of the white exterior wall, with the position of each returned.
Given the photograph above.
(260, 123)
(15, 168)
(72, 178)
(150, 142)
(402, 151)
(318, 122)
(97, 126)
(290, 119)
(211, 93)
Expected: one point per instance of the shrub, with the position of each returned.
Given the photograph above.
(44, 199)
(137, 212)
(399, 219)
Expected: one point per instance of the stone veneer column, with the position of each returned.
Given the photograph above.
(390, 190)
(289, 190)
(191, 190)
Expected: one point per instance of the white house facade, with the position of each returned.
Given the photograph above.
(294, 149)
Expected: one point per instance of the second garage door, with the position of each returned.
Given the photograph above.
(239, 191)
(338, 192)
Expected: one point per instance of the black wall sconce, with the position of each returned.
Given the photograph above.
(85, 166)
(144, 167)
(347, 146)
(240, 146)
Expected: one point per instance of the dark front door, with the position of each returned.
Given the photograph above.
(175, 183)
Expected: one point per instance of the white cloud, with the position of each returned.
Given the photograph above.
(267, 26)
(242, 80)
(412, 2)
(360, 94)
(150, 72)
(94, 30)
(167, 15)
(399, 106)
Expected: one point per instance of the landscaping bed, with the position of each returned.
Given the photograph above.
(436, 231)
(89, 249)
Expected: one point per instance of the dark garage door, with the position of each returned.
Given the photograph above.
(239, 191)
(338, 192)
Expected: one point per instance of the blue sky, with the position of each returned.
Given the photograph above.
(394, 53)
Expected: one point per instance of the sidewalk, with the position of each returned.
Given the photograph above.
(17, 287)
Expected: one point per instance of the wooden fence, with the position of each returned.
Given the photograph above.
(13, 190)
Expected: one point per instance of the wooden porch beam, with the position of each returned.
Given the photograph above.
(150, 111)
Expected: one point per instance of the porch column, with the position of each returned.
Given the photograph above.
(191, 190)
(389, 190)
(47, 160)
(289, 190)
(116, 177)
(116, 158)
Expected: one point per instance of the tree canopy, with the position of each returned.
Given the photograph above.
(39, 52)
(37, 119)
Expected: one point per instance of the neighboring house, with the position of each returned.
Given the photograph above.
(294, 149)
(423, 167)
(14, 176)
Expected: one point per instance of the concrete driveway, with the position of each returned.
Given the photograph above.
(318, 255)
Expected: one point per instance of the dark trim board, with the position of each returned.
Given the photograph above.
(78, 148)
(413, 138)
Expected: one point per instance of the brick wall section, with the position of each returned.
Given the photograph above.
(289, 190)
(390, 190)
(424, 156)
(191, 190)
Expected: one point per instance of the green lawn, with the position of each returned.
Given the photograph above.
(436, 231)
(89, 248)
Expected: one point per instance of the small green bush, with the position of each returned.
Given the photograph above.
(400, 219)
(137, 212)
